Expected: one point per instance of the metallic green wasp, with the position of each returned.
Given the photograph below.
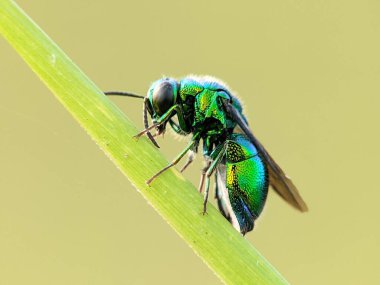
(205, 107)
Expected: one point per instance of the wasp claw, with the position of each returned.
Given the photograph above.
(204, 209)
(149, 181)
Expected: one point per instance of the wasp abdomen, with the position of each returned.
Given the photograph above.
(246, 180)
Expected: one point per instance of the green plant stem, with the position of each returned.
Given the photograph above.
(223, 249)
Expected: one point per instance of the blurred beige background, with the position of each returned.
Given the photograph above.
(309, 74)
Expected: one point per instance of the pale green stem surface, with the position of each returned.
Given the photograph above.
(223, 249)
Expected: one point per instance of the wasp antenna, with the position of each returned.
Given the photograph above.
(120, 93)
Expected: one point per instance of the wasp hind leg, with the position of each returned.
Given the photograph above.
(219, 154)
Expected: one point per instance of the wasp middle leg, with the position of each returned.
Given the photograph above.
(191, 145)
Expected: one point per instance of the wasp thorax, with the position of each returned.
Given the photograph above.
(164, 95)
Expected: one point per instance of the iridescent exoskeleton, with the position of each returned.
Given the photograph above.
(206, 108)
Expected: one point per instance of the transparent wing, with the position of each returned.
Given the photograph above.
(277, 178)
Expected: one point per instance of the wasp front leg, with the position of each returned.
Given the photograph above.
(160, 121)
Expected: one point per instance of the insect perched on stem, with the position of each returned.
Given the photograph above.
(204, 107)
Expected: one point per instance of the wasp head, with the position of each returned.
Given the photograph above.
(162, 95)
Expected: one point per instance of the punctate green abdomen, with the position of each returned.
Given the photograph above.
(246, 180)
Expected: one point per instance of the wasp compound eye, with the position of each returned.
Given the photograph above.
(163, 97)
